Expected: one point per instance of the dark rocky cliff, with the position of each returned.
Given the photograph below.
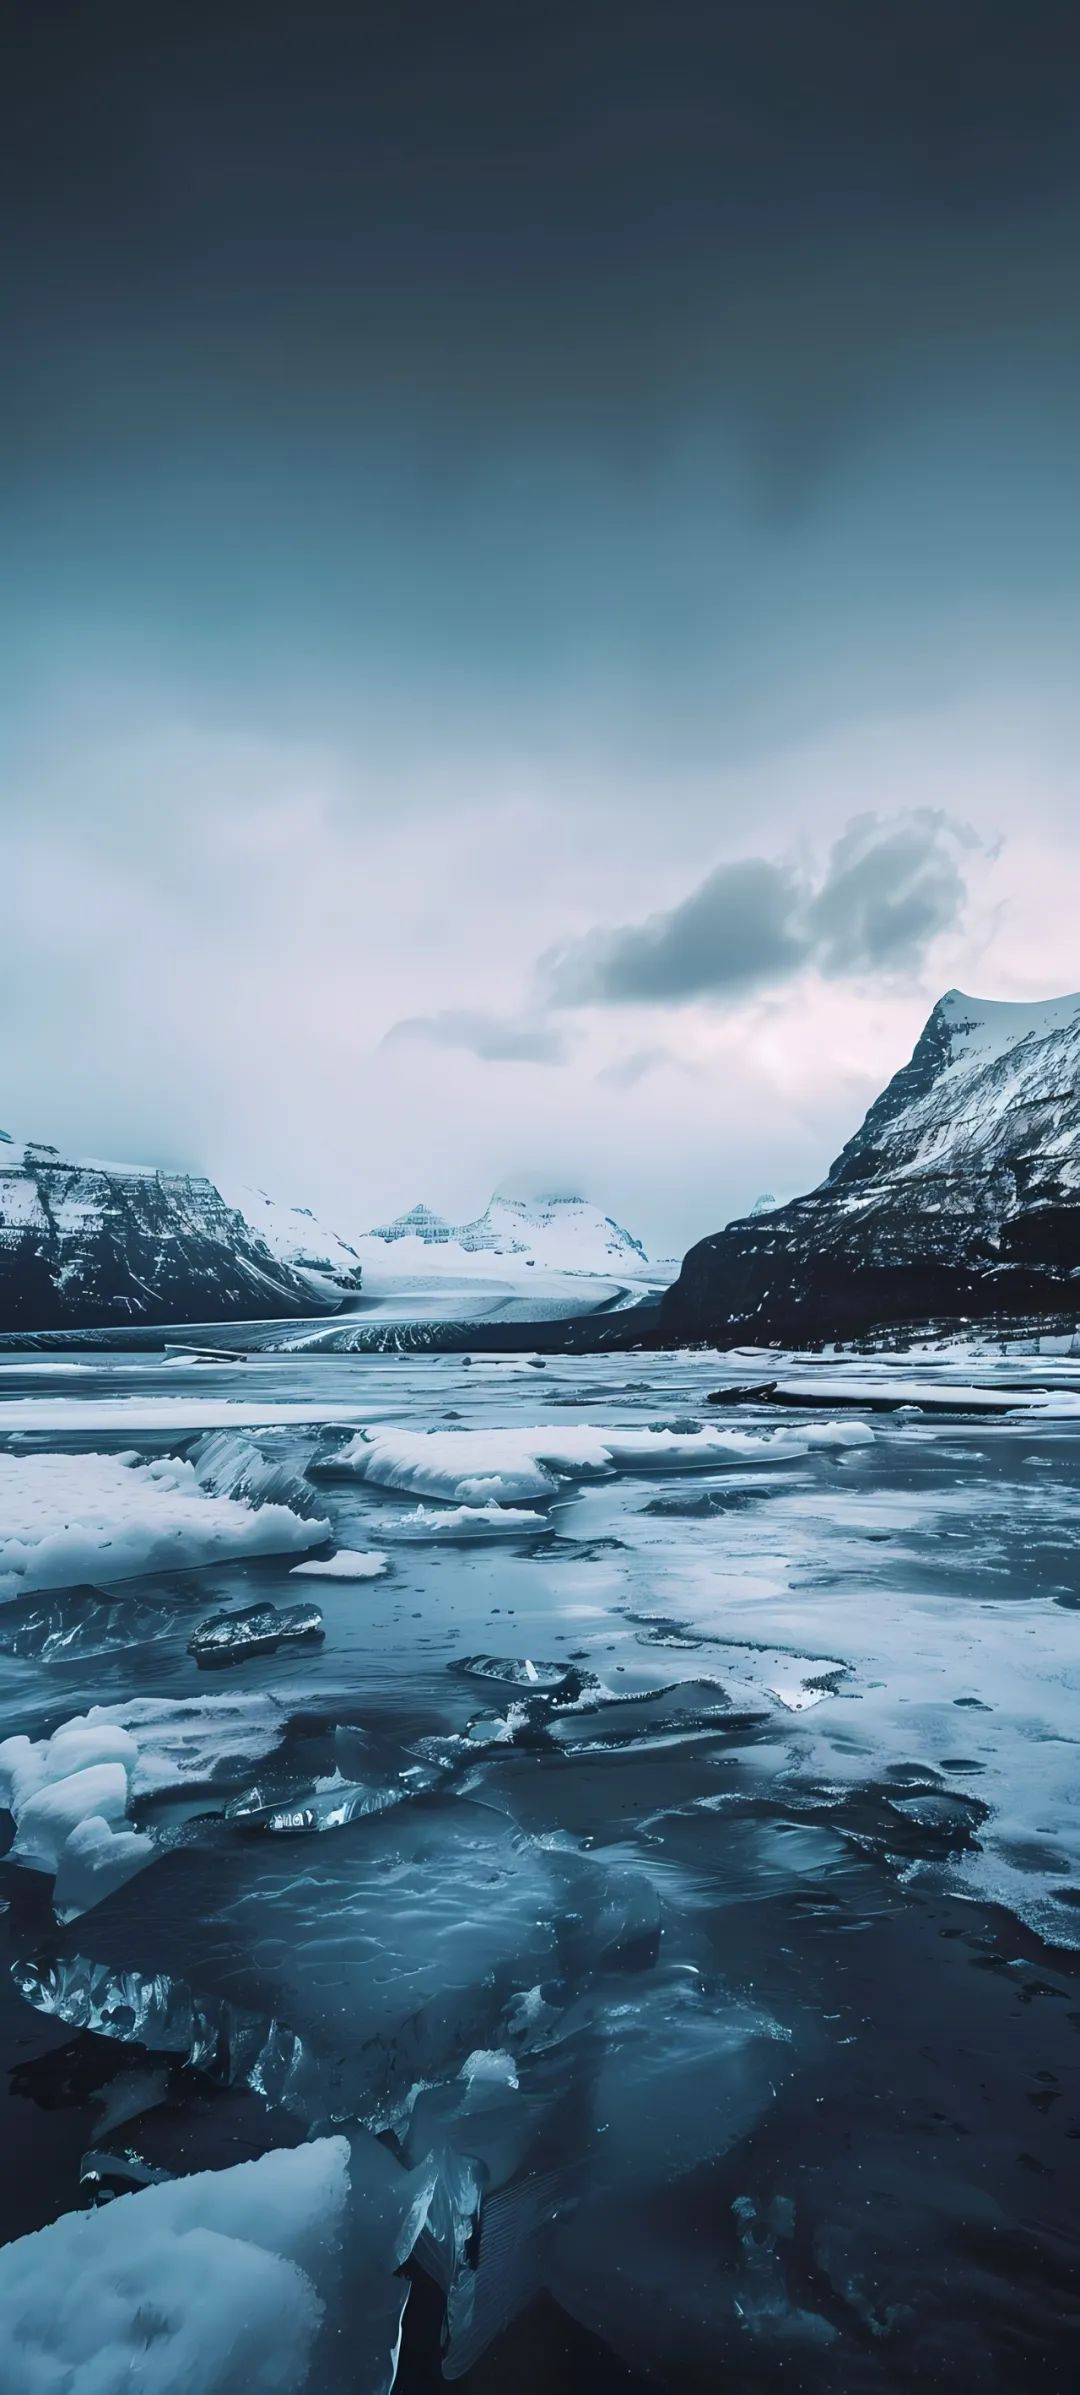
(959, 1196)
(85, 1245)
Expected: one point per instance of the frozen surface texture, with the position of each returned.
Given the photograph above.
(664, 1876)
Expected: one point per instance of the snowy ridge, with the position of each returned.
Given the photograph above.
(958, 1196)
(557, 1234)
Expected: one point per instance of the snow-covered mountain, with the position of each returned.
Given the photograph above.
(296, 1238)
(959, 1195)
(85, 1244)
(553, 1234)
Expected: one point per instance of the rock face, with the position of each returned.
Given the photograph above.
(86, 1245)
(958, 1197)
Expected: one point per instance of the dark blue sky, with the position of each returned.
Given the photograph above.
(591, 445)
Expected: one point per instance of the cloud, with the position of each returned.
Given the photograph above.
(627, 1071)
(891, 885)
(497, 1039)
(890, 888)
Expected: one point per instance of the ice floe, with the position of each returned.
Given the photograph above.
(502, 1466)
(466, 1522)
(349, 1563)
(67, 1518)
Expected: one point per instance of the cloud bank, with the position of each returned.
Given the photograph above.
(890, 887)
(495, 1039)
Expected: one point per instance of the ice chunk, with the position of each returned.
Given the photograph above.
(332, 1804)
(513, 1671)
(254, 1630)
(80, 1742)
(47, 1819)
(209, 2283)
(81, 1620)
(68, 1518)
(96, 1859)
(223, 2042)
(70, 1793)
(22, 1770)
(350, 1563)
(466, 1522)
(331, 1808)
(227, 1464)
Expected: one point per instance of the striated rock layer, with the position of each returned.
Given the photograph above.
(959, 1197)
(88, 1244)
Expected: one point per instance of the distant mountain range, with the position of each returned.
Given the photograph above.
(86, 1244)
(959, 1197)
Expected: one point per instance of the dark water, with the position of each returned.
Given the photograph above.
(732, 1857)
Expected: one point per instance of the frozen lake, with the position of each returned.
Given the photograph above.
(674, 1851)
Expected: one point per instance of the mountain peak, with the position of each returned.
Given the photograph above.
(560, 1231)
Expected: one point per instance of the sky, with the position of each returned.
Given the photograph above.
(542, 584)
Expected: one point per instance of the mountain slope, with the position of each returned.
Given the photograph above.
(296, 1238)
(958, 1196)
(84, 1244)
